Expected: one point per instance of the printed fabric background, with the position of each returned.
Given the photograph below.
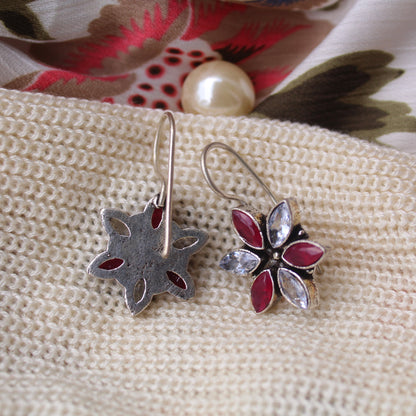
(347, 65)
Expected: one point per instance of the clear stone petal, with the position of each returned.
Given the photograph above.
(293, 288)
(279, 224)
(240, 262)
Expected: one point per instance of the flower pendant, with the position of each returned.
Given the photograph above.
(278, 253)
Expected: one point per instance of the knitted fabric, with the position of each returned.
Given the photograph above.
(69, 344)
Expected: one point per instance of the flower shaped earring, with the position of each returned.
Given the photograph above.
(276, 251)
(148, 253)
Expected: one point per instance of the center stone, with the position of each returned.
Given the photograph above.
(276, 256)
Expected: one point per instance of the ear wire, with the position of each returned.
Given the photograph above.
(165, 195)
(213, 186)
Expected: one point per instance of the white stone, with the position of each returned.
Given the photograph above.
(240, 262)
(279, 224)
(293, 288)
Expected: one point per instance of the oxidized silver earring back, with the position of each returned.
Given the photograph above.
(277, 251)
(148, 253)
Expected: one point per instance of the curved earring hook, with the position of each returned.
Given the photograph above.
(165, 195)
(242, 161)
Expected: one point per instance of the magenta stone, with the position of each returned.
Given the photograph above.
(247, 228)
(111, 264)
(262, 291)
(303, 254)
(157, 217)
(176, 279)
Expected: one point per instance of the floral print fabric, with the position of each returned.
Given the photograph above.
(310, 61)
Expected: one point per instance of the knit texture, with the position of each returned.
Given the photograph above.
(69, 344)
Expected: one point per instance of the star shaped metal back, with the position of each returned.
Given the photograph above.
(133, 256)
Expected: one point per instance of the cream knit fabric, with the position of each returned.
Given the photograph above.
(68, 343)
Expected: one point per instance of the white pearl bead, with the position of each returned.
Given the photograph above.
(218, 88)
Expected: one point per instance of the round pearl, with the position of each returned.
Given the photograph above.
(218, 88)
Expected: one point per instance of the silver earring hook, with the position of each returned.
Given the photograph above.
(165, 196)
(214, 187)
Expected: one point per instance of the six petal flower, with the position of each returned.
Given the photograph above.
(278, 253)
(133, 256)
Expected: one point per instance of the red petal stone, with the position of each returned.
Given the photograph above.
(303, 254)
(157, 217)
(111, 264)
(176, 279)
(262, 291)
(247, 228)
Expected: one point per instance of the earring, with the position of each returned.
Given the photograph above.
(276, 252)
(148, 253)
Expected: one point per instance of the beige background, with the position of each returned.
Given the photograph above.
(68, 344)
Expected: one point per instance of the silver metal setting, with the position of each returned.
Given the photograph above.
(142, 253)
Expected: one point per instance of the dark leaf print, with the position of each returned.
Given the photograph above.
(20, 20)
(336, 95)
